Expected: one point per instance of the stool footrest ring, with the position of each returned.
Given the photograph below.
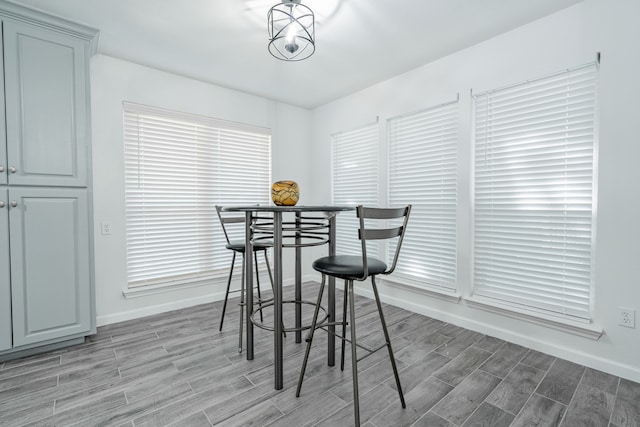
(261, 325)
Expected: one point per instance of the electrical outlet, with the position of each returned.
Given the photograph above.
(626, 317)
(106, 228)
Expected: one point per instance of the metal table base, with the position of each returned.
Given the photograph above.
(277, 236)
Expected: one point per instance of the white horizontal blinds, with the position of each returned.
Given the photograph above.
(243, 171)
(355, 182)
(423, 158)
(177, 168)
(534, 169)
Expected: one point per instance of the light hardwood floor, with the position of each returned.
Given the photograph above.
(177, 368)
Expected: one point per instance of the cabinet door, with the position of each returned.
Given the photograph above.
(5, 290)
(50, 275)
(46, 106)
(3, 134)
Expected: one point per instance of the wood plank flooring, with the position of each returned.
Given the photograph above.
(178, 369)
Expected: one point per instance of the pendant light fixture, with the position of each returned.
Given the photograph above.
(291, 31)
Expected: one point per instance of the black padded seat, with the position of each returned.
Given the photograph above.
(239, 246)
(348, 266)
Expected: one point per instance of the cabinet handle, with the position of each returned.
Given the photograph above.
(14, 204)
(1, 168)
(12, 169)
(1, 204)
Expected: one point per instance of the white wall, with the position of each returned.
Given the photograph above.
(114, 81)
(568, 38)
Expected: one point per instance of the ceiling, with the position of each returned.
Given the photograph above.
(358, 42)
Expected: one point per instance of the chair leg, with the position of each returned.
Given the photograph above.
(354, 355)
(386, 337)
(344, 324)
(226, 295)
(241, 306)
(309, 338)
(255, 259)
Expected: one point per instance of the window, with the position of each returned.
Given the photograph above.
(423, 165)
(178, 166)
(355, 181)
(534, 193)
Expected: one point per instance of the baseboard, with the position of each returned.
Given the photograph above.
(176, 305)
(606, 365)
(39, 348)
(158, 309)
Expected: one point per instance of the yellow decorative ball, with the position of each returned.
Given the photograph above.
(285, 193)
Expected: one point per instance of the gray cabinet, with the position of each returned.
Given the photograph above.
(46, 247)
(5, 284)
(44, 272)
(49, 254)
(46, 111)
(3, 134)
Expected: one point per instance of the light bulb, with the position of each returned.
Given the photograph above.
(291, 46)
(291, 32)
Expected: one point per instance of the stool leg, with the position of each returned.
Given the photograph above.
(386, 337)
(255, 258)
(226, 295)
(344, 324)
(354, 355)
(266, 260)
(310, 335)
(241, 306)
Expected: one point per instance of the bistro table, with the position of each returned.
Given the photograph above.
(313, 226)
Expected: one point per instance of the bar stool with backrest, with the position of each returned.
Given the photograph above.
(358, 268)
(238, 247)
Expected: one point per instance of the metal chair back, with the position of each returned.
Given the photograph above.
(368, 232)
(226, 218)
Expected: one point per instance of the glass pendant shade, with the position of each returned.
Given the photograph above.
(291, 31)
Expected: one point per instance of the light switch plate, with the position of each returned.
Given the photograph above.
(106, 228)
